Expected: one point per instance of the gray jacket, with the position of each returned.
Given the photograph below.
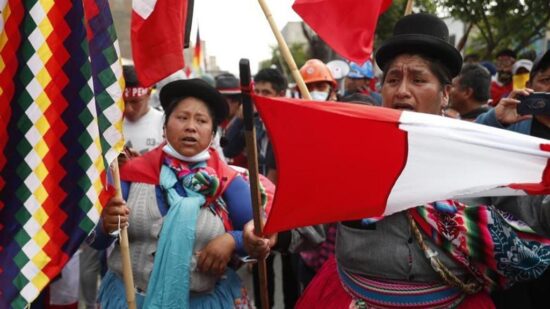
(391, 251)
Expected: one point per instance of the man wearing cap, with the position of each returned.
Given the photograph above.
(502, 85)
(228, 85)
(532, 294)
(359, 80)
(470, 92)
(520, 71)
(142, 125)
(232, 142)
(319, 81)
(421, 257)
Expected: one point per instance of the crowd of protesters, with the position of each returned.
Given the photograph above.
(178, 155)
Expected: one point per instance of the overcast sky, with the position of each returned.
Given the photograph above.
(238, 29)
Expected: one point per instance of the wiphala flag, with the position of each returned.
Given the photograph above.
(60, 126)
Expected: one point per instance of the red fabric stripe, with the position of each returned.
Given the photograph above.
(326, 290)
(52, 138)
(146, 168)
(90, 11)
(8, 54)
(537, 188)
(322, 148)
(346, 25)
(157, 43)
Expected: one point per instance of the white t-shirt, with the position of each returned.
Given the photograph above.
(146, 133)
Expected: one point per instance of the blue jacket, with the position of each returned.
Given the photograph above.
(489, 118)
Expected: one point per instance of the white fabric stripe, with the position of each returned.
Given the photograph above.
(503, 191)
(36, 39)
(29, 292)
(35, 63)
(31, 249)
(114, 113)
(144, 8)
(465, 129)
(454, 158)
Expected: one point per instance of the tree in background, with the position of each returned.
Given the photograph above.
(384, 29)
(490, 26)
(514, 24)
(298, 51)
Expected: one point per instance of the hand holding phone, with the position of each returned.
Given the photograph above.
(537, 103)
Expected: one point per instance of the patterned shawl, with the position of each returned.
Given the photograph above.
(496, 248)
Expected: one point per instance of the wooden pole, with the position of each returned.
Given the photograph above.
(283, 47)
(409, 7)
(124, 248)
(252, 158)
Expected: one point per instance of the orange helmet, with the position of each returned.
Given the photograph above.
(314, 70)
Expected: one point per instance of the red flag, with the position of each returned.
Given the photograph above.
(346, 25)
(158, 38)
(339, 161)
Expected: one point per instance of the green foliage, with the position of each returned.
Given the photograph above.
(387, 20)
(513, 24)
(299, 53)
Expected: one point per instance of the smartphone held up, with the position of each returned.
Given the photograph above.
(537, 103)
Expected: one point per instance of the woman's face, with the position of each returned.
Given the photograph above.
(189, 128)
(411, 85)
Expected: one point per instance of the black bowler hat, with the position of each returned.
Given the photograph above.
(420, 33)
(196, 88)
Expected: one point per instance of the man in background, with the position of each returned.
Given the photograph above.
(470, 91)
(502, 85)
(142, 125)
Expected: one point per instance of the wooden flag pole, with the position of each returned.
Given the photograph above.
(252, 158)
(409, 7)
(283, 47)
(124, 247)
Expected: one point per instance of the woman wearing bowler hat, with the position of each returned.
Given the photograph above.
(439, 255)
(186, 210)
(381, 263)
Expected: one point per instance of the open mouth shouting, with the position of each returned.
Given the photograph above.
(189, 140)
(404, 107)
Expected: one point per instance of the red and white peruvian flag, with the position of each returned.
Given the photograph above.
(157, 36)
(339, 161)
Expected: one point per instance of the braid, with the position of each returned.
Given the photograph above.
(469, 288)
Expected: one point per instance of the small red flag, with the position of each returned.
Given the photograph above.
(157, 37)
(345, 25)
(197, 55)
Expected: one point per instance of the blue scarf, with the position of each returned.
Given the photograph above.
(169, 283)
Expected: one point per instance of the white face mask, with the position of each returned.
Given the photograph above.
(199, 157)
(319, 95)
